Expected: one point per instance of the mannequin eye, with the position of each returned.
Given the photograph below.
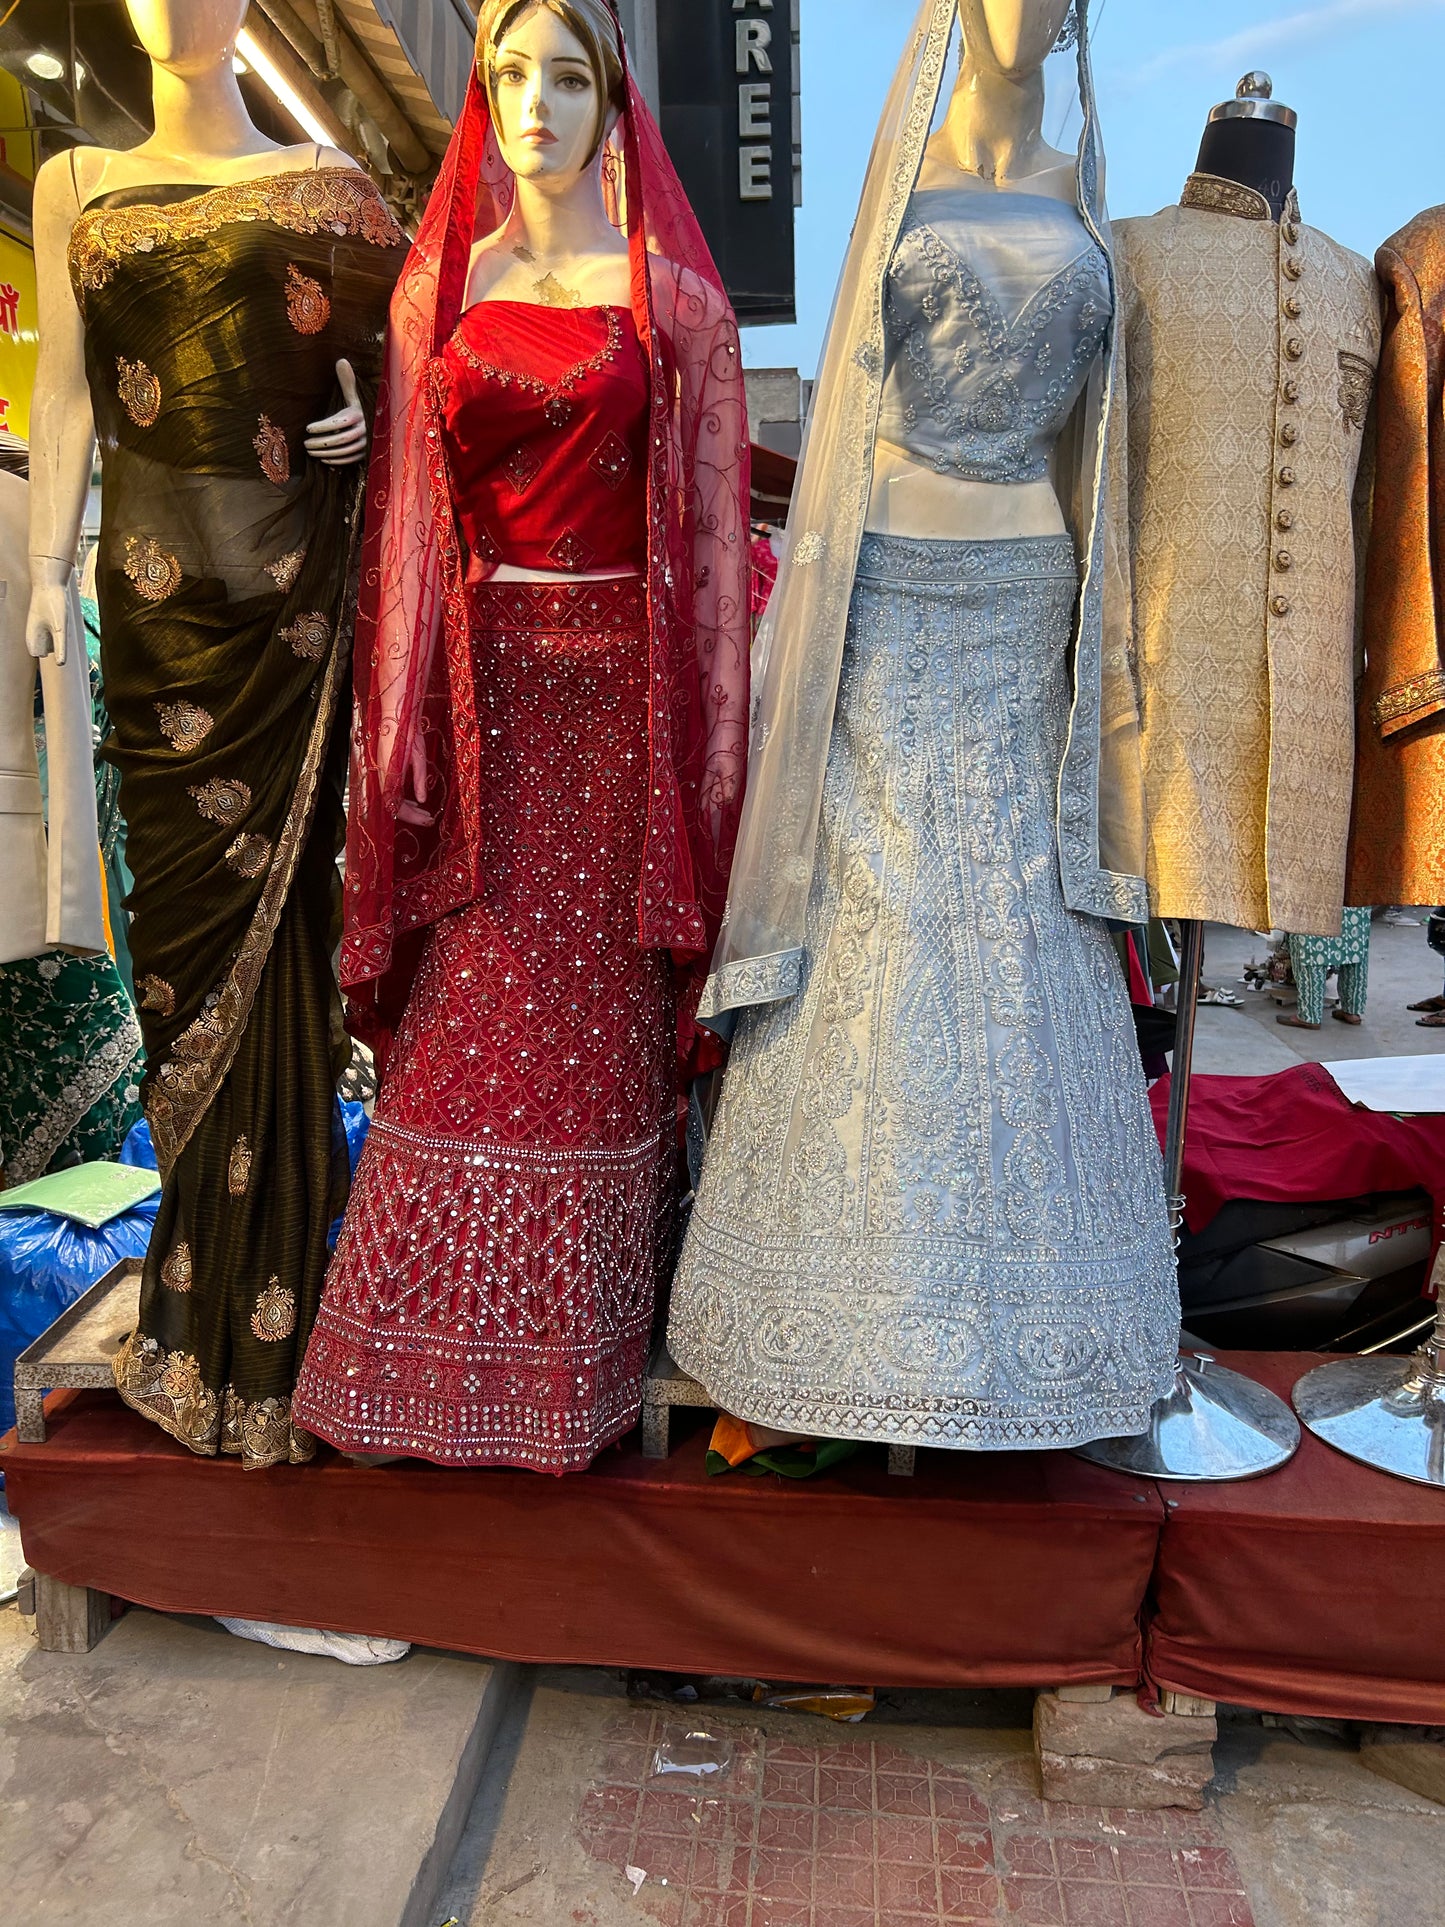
(575, 84)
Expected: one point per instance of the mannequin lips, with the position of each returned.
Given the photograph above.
(539, 137)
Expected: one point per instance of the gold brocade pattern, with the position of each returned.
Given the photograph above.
(308, 635)
(139, 391)
(153, 571)
(1242, 467)
(308, 306)
(275, 1315)
(238, 1167)
(339, 200)
(273, 451)
(185, 725)
(285, 569)
(1420, 696)
(1219, 196)
(156, 994)
(177, 1272)
(167, 1388)
(224, 800)
(1397, 849)
(1357, 382)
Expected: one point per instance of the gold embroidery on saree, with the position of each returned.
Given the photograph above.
(167, 1387)
(205, 1049)
(139, 391)
(156, 994)
(272, 451)
(285, 569)
(308, 306)
(261, 1433)
(275, 1315)
(224, 800)
(334, 200)
(1422, 692)
(238, 1167)
(177, 1272)
(154, 572)
(308, 635)
(185, 725)
(249, 855)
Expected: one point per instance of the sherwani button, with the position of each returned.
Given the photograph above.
(1283, 559)
(1293, 266)
(1294, 347)
(1280, 605)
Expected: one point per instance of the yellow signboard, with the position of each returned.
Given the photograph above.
(19, 333)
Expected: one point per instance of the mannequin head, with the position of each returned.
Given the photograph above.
(187, 36)
(1011, 38)
(552, 70)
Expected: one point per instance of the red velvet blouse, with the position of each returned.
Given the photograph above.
(545, 421)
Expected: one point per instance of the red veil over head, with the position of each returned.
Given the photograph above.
(413, 668)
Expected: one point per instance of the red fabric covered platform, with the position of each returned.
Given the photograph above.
(1315, 1590)
(1002, 1569)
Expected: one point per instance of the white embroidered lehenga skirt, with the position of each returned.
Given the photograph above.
(932, 1207)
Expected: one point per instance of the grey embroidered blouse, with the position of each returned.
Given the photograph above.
(995, 308)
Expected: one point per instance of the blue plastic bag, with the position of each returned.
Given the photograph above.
(46, 1262)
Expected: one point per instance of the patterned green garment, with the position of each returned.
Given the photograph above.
(213, 323)
(1311, 959)
(70, 1063)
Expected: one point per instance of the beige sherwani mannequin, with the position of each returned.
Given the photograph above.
(1250, 349)
(50, 887)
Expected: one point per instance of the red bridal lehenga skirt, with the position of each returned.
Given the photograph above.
(491, 1296)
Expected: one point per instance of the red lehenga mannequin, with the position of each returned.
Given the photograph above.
(547, 772)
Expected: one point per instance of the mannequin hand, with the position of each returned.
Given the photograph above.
(413, 812)
(45, 622)
(340, 439)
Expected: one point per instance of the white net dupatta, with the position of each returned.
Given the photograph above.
(798, 657)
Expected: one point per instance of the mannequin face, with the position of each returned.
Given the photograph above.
(1011, 38)
(547, 102)
(187, 36)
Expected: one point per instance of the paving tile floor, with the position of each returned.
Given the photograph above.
(862, 1833)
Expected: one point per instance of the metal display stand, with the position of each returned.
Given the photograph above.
(1386, 1412)
(1214, 1424)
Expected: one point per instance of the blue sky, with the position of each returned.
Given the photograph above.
(1367, 78)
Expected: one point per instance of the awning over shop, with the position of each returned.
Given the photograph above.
(422, 51)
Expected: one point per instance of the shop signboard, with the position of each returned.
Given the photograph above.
(725, 83)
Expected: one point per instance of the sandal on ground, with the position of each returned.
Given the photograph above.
(1345, 1017)
(1294, 1023)
(1428, 1003)
(1434, 1022)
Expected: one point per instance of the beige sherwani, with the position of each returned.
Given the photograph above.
(1250, 350)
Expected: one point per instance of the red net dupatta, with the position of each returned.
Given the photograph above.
(413, 670)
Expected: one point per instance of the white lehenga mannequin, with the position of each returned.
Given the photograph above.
(203, 135)
(931, 1211)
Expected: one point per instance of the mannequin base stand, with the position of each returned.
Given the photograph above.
(1385, 1412)
(1214, 1424)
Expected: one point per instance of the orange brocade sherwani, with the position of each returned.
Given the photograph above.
(1397, 838)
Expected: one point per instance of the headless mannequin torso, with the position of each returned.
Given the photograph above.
(1251, 140)
(203, 137)
(991, 142)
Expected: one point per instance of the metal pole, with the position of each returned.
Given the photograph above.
(1181, 1067)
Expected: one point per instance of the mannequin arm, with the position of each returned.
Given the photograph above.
(62, 430)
